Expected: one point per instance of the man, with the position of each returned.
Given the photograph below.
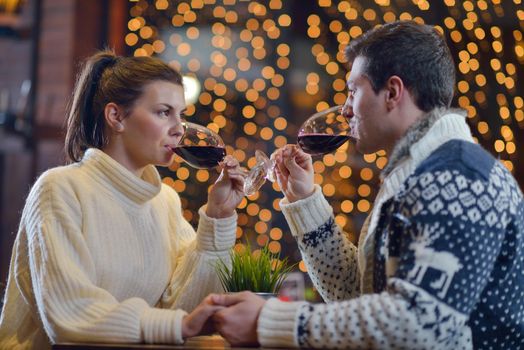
(440, 262)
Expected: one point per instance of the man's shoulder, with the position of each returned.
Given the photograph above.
(461, 181)
(465, 170)
(467, 158)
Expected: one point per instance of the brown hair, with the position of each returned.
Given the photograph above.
(417, 53)
(106, 78)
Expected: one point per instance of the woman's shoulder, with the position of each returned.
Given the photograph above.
(169, 194)
(59, 182)
(171, 201)
(56, 188)
(60, 176)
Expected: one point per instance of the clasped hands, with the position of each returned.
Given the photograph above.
(234, 316)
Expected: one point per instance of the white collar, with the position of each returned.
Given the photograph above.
(426, 135)
(115, 176)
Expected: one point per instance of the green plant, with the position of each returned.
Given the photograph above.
(259, 272)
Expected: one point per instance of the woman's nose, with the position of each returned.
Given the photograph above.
(178, 129)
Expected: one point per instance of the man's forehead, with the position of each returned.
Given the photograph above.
(353, 78)
(357, 70)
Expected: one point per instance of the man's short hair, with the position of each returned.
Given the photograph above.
(417, 53)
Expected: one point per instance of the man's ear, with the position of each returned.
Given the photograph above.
(394, 90)
(113, 115)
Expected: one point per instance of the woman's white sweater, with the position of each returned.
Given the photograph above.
(104, 256)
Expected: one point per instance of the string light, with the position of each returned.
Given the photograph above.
(257, 87)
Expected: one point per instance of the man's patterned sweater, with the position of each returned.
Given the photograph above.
(441, 264)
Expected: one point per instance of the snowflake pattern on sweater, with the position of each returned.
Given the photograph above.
(449, 263)
(338, 279)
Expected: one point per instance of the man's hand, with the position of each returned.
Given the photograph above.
(238, 322)
(294, 171)
(199, 321)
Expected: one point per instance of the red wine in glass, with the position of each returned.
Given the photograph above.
(321, 133)
(316, 144)
(201, 157)
(200, 147)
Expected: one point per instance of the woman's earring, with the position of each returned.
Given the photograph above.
(119, 127)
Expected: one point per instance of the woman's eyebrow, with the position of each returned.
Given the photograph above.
(166, 105)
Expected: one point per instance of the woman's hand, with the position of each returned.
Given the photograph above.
(228, 191)
(294, 172)
(198, 321)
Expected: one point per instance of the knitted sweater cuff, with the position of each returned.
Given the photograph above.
(162, 326)
(215, 234)
(277, 324)
(307, 214)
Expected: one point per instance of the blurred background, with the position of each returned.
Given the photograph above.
(254, 71)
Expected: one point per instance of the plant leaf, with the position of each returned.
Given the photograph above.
(262, 272)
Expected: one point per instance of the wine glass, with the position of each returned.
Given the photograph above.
(321, 133)
(200, 147)
(324, 132)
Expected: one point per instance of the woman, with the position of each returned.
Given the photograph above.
(103, 253)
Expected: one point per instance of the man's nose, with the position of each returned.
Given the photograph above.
(347, 109)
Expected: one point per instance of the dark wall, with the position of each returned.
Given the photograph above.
(65, 32)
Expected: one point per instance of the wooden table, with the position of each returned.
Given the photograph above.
(210, 342)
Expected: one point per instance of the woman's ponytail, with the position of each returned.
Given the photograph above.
(85, 124)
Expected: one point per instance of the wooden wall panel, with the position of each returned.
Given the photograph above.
(69, 31)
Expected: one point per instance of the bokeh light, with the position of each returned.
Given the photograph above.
(263, 67)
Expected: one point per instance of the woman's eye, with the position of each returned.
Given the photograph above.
(164, 113)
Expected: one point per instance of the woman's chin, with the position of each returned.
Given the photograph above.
(365, 149)
(361, 148)
(166, 161)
